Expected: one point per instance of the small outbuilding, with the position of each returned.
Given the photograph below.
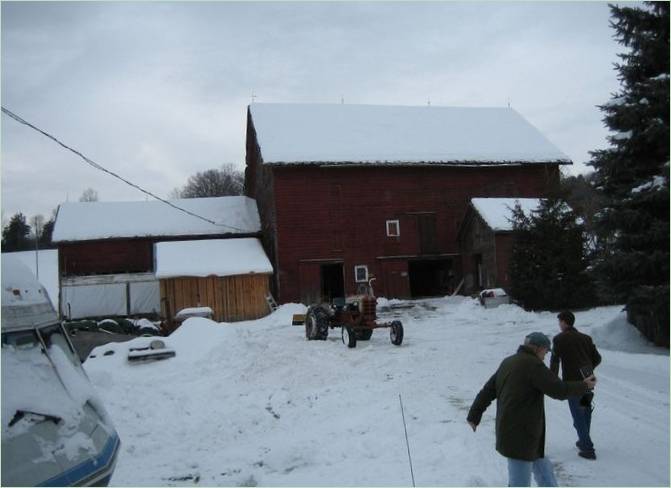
(486, 241)
(230, 276)
(106, 249)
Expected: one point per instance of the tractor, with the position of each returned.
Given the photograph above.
(356, 316)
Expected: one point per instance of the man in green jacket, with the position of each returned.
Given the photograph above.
(519, 386)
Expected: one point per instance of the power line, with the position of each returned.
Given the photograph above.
(111, 173)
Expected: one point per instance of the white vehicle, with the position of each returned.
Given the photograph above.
(55, 431)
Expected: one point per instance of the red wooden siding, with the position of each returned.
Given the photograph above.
(106, 257)
(340, 213)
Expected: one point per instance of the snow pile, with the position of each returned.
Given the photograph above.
(498, 212)
(620, 335)
(219, 257)
(80, 221)
(254, 403)
(376, 134)
(493, 292)
(185, 313)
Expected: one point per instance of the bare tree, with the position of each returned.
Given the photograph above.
(222, 182)
(174, 194)
(89, 195)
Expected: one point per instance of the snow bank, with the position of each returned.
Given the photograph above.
(619, 335)
(255, 403)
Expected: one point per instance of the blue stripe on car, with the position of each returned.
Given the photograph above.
(88, 469)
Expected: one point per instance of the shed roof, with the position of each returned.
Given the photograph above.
(497, 212)
(218, 257)
(377, 134)
(84, 221)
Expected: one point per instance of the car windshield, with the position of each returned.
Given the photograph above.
(44, 382)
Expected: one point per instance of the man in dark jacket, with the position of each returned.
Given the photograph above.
(519, 386)
(579, 357)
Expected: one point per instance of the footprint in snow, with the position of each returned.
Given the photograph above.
(475, 481)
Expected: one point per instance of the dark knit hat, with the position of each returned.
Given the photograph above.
(539, 339)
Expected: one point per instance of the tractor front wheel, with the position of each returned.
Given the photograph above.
(316, 324)
(348, 336)
(396, 333)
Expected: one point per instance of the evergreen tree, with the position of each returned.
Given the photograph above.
(15, 235)
(45, 236)
(633, 173)
(548, 267)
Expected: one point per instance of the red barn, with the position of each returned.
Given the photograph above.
(346, 192)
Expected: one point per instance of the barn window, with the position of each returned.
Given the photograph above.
(361, 273)
(393, 228)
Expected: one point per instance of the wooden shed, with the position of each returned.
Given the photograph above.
(486, 241)
(106, 249)
(230, 276)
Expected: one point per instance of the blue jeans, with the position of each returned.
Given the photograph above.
(582, 420)
(519, 472)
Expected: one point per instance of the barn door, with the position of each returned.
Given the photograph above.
(426, 227)
(395, 279)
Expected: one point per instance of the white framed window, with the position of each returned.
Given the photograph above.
(393, 228)
(361, 273)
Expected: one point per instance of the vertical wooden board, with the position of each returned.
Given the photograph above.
(229, 289)
(225, 290)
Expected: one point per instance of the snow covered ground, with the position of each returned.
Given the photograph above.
(254, 403)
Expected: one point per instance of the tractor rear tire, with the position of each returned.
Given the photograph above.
(363, 334)
(316, 324)
(396, 333)
(348, 336)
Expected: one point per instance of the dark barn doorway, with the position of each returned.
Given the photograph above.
(431, 277)
(332, 282)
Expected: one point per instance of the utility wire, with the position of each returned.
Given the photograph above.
(111, 173)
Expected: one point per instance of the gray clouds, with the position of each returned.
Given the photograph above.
(158, 91)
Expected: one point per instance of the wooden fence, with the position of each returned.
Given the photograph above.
(231, 298)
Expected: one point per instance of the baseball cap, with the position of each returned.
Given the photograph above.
(539, 339)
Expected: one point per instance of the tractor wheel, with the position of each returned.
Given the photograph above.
(396, 333)
(348, 336)
(363, 334)
(316, 324)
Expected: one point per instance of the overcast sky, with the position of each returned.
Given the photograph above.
(158, 91)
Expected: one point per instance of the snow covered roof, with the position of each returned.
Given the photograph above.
(497, 211)
(219, 257)
(84, 221)
(377, 134)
